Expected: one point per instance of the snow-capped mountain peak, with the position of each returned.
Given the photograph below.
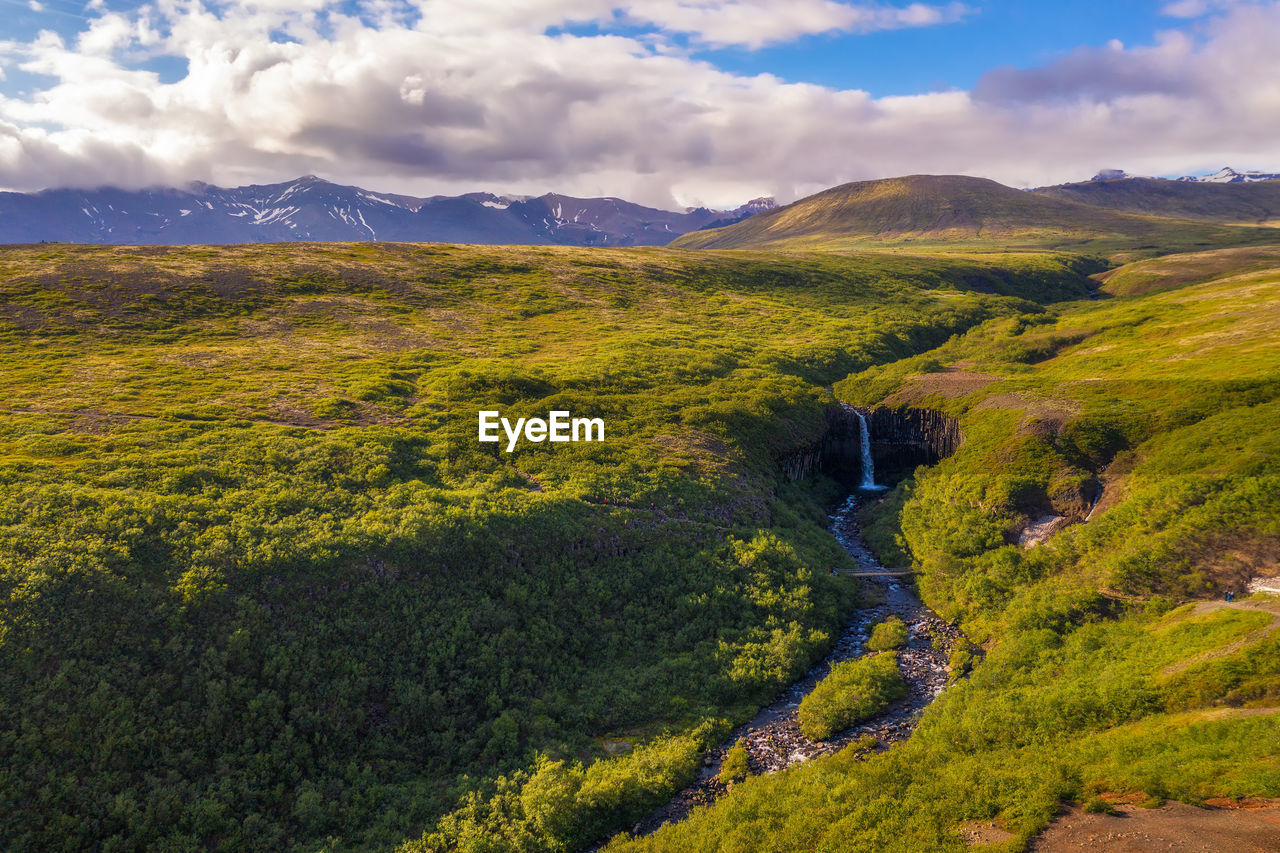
(311, 208)
(1228, 175)
(757, 205)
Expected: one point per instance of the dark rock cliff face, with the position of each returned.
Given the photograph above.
(901, 440)
(835, 454)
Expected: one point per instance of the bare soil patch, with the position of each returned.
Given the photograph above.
(1042, 416)
(979, 833)
(1245, 827)
(1234, 560)
(949, 384)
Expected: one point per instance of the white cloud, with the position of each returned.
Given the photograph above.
(751, 23)
(457, 95)
(755, 23)
(1198, 8)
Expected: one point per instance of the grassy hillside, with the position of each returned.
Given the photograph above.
(1112, 665)
(961, 213)
(1231, 204)
(262, 589)
(1193, 268)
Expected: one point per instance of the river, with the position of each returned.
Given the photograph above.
(773, 739)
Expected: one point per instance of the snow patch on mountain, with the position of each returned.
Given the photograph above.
(1225, 175)
(1228, 175)
(311, 208)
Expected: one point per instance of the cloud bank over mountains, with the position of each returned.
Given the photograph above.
(600, 97)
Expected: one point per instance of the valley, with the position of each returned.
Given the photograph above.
(264, 588)
(772, 739)
(252, 547)
(1103, 681)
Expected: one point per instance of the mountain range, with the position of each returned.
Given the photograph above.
(1225, 175)
(1249, 201)
(1112, 212)
(956, 210)
(311, 208)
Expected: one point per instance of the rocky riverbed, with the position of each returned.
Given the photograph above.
(773, 739)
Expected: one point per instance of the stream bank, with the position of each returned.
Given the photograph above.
(773, 739)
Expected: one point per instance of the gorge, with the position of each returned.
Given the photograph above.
(872, 448)
(773, 740)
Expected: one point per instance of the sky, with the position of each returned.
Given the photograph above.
(671, 103)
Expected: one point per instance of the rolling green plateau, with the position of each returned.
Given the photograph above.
(1145, 425)
(956, 212)
(263, 589)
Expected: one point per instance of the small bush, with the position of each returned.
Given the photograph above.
(930, 365)
(960, 661)
(854, 691)
(736, 765)
(886, 635)
(1097, 805)
(334, 408)
(1155, 789)
(378, 390)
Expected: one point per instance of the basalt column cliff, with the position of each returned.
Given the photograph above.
(901, 440)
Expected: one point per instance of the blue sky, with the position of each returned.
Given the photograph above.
(667, 101)
(953, 56)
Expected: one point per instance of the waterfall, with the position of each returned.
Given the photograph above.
(868, 464)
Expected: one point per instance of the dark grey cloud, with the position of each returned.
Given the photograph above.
(1095, 74)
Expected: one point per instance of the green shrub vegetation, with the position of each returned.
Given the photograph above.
(1097, 805)
(854, 690)
(263, 589)
(960, 661)
(1047, 717)
(736, 765)
(555, 805)
(1110, 661)
(888, 634)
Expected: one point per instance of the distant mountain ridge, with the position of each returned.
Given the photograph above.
(1251, 200)
(957, 210)
(311, 208)
(1228, 175)
(1225, 175)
